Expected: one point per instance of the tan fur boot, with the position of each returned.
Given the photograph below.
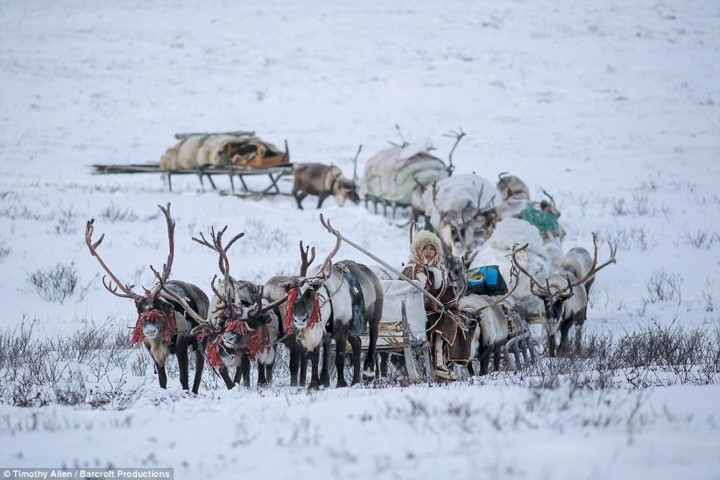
(442, 372)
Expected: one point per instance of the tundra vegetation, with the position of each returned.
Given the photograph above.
(610, 107)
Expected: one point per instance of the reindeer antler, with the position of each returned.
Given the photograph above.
(543, 290)
(458, 136)
(305, 263)
(226, 297)
(167, 266)
(480, 211)
(126, 289)
(594, 268)
(324, 270)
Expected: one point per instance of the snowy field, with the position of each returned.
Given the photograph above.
(612, 107)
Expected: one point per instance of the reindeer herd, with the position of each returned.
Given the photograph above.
(343, 302)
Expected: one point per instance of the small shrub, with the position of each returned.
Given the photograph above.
(66, 223)
(4, 249)
(618, 208)
(56, 283)
(113, 214)
(634, 237)
(702, 238)
(664, 287)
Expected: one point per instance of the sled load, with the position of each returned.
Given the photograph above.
(238, 149)
(392, 174)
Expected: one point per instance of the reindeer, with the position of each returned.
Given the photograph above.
(162, 325)
(458, 203)
(276, 290)
(323, 181)
(235, 333)
(516, 203)
(339, 302)
(564, 297)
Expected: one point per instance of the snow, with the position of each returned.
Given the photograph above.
(611, 107)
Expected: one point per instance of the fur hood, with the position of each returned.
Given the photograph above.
(423, 238)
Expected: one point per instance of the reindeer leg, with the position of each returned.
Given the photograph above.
(496, 357)
(295, 353)
(314, 357)
(199, 364)
(237, 377)
(564, 331)
(321, 199)
(303, 368)
(552, 345)
(181, 351)
(516, 354)
(340, 347)
(369, 366)
(229, 383)
(325, 374)
(485, 361)
(162, 376)
(578, 338)
(356, 345)
(269, 371)
(261, 374)
(245, 369)
(383, 364)
(299, 196)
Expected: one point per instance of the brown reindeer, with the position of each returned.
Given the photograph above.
(323, 181)
(564, 297)
(166, 313)
(239, 328)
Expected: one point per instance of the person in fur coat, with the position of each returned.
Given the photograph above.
(446, 329)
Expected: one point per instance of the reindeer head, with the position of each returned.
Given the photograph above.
(560, 288)
(305, 297)
(244, 334)
(344, 189)
(512, 186)
(238, 319)
(456, 228)
(156, 308)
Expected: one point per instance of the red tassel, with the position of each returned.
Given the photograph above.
(212, 352)
(169, 326)
(155, 315)
(255, 343)
(314, 316)
(237, 326)
(288, 323)
(260, 340)
(137, 333)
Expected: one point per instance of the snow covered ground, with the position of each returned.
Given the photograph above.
(611, 107)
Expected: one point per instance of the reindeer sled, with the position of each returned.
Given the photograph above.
(231, 154)
(397, 176)
(402, 331)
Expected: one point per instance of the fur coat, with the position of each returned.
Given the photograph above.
(448, 322)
